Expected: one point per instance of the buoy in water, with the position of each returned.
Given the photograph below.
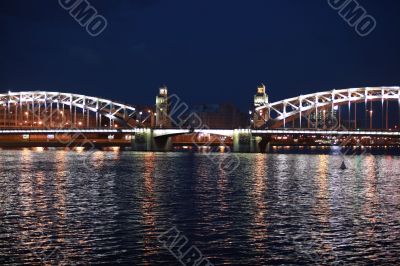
(343, 166)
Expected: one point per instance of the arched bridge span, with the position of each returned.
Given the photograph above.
(284, 111)
(62, 110)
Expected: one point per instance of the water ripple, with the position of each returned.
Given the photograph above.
(274, 209)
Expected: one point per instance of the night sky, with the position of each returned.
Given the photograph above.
(208, 51)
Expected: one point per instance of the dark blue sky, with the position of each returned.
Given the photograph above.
(206, 51)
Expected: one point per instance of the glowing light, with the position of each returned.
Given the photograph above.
(79, 149)
(163, 91)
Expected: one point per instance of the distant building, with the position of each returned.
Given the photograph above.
(217, 116)
(260, 99)
(162, 109)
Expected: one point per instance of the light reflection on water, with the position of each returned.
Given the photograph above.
(275, 209)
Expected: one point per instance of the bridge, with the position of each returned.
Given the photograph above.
(40, 117)
(325, 105)
(220, 132)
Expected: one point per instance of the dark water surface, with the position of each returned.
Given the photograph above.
(274, 209)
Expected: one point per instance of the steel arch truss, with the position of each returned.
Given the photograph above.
(294, 107)
(45, 101)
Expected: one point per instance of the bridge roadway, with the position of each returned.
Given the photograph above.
(223, 132)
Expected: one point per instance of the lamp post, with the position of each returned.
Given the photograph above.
(26, 117)
(251, 119)
(370, 119)
(150, 112)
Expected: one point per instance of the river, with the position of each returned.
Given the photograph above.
(77, 207)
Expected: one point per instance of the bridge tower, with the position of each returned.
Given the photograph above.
(260, 99)
(162, 109)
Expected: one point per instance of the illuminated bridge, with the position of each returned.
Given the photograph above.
(41, 109)
(357, 116)
(220, 132)
(317, 109)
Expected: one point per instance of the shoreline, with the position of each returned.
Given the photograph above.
(274, 149)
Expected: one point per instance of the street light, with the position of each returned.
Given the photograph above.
(370, 119)
(250, 117)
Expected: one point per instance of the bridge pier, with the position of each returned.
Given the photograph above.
(265, 143)
(145, 140)
(245, 142)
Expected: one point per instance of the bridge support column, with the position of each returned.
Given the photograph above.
(245, 142)
(145, 140)
(265, 143)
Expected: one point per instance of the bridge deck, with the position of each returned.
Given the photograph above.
(225, 132)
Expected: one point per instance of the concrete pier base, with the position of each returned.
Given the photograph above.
(245, 142)
(145, 140)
